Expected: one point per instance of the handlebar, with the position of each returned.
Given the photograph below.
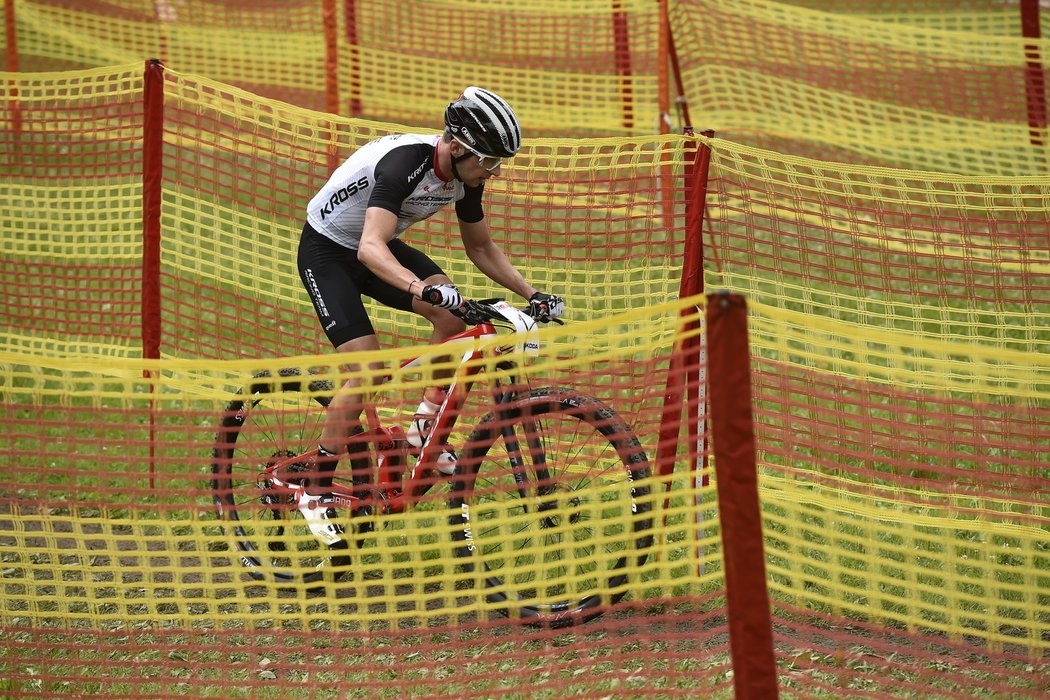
(475, 312)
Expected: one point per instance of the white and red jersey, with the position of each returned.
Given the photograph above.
(395, 173)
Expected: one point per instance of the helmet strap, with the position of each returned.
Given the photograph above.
(457, 159)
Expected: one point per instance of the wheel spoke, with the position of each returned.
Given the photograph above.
(560, 547)
(267, 530)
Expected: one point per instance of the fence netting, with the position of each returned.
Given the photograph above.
(954, 87)
(569, 68)
(113, 545)
(900, 377)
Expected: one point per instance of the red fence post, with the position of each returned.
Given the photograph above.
(686, 356)
(680, 102)
(330, 22)
(354, 71)
(11, 34)
(622, 60)
(1035, 84)
(152, 184)
(736, 470)
(693, 283)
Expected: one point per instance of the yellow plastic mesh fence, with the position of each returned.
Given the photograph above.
(582, 68)
(274, 48)
(935, 85)
(237, 174)
(153, 543)
(849, 86)
(141, 513)
(901, 378)
(983, 16)
(72, 212)
(576, 67)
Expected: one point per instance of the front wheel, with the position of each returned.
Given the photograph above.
(551, 504)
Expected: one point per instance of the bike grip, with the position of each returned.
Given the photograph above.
(430, 295)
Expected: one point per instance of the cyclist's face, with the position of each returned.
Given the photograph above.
(476, 169)
(490, 163)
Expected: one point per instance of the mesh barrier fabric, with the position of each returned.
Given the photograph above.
(237, 173)
(939, 257)
(583, 68)
(982, 16)
(901, 384)
(616, 203)
(844, 86)
(112, 542)
(569, 68)
(97, 561)
(273, 48)
(71, 251)
(943, 86)
(899, 353)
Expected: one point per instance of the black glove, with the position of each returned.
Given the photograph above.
(445, 296)
(546, 307)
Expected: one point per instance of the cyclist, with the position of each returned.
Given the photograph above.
(350, 247)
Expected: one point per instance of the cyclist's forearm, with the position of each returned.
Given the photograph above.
(508, 277)
(374, 251)
(495, 265)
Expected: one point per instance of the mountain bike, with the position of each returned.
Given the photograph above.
(548, 506)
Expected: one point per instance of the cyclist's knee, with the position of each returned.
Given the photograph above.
(445, 324)
(442, 319)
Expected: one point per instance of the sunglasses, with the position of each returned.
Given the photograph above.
(490, 163)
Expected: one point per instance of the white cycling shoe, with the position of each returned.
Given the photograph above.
(318, 515)
(418, 432)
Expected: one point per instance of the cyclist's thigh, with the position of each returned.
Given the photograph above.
(416, 261)
(334, 277)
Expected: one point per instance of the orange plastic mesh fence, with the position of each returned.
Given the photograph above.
(901, 377)
(848, 83)
(584, 67)
(114, 585)
(933, 85)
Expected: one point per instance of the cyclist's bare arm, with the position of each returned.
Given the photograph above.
(490, 259)
(380, 226)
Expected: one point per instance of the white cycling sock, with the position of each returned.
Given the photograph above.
(427, 408)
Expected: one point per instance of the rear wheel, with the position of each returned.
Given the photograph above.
(550, 503)
(276, 419)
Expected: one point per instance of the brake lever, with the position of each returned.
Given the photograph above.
(473, 313)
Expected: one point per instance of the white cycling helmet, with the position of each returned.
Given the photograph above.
(484, 122)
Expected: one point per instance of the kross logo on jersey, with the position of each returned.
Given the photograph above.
(343, 194)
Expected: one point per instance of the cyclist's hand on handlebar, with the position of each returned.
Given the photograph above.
(445, 296)
(473, 313)
(546, 307)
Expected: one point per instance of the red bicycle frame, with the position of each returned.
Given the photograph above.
(393, 491)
